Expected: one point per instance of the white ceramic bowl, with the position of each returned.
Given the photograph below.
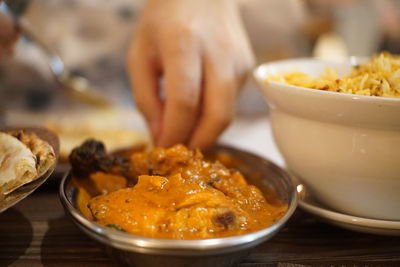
(344, 147)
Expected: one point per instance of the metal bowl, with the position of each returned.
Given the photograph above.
(143, 251)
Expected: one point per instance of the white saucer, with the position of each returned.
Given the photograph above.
(364, 225)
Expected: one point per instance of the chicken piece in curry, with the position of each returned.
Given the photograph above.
(172, 193)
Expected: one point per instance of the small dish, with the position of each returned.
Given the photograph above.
(354, 223)
(136, 250)
(25, 190)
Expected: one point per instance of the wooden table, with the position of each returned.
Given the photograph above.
(36, 232)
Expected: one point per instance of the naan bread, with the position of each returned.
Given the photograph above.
(118, 129)
(17, 164)
(24, 157)
(114, 139)
(44, 153)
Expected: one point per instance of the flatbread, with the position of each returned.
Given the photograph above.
(24, 157)
(114, 139)
(118, 129)
(17, 164)
(44, 153)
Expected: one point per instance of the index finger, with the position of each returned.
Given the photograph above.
(143, 72)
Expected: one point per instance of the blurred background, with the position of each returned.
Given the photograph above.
(92, 37)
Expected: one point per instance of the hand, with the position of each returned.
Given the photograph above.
(196, 55)
(9, 34)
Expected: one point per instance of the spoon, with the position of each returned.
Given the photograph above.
(22, 192)
(78, 86)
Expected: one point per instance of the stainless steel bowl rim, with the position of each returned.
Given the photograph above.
(131, 242)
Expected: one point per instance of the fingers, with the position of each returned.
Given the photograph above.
(144, 76)
(218, 108)
(182, 74)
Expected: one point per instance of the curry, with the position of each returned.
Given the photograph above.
(172, 193)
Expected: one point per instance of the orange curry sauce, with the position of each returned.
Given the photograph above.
(178, 195)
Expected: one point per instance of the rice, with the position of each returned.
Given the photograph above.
(378, 77)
